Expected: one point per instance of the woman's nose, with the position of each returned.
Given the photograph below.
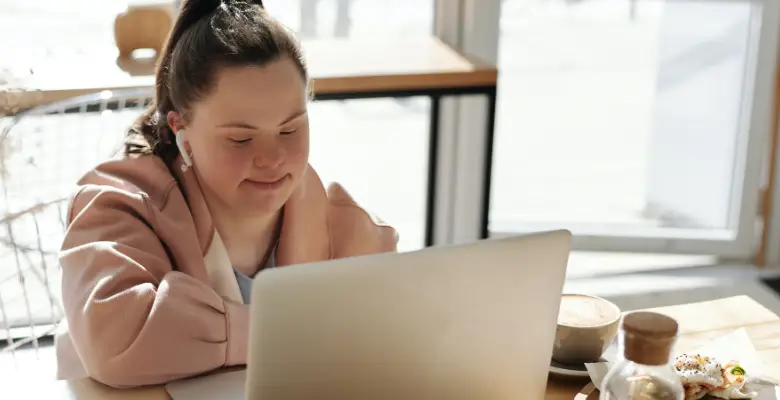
(269, 155)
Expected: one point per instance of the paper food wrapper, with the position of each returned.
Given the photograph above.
(733, 346)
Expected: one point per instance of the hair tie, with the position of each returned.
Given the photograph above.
(228, 3)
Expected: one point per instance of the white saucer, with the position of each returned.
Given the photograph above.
(568, 370)
(580, 370)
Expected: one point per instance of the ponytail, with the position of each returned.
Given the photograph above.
(150, 134)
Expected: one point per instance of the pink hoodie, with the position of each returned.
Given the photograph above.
(148, 290)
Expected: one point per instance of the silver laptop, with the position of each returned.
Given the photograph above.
(474, 321)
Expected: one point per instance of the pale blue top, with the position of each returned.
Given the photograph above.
(245, 282)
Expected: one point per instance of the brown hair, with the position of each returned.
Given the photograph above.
(208, 35)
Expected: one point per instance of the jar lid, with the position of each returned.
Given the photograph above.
(650, 324)
(648, 337)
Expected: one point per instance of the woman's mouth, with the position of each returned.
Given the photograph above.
(267, 185)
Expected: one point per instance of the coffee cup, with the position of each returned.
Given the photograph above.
(587, 325)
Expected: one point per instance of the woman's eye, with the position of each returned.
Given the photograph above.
(288, 132)
(240, 141)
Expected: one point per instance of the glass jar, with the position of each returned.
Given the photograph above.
(643, 370)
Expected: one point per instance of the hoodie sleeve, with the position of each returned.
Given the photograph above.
(134, 320)
(354, 230)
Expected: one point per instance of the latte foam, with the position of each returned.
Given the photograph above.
(584, 311)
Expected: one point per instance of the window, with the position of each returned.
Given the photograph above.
(625, 119)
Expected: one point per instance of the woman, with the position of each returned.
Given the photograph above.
(214, 186)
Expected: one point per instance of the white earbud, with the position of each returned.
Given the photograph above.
(184, 155)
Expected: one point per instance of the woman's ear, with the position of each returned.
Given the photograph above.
(175, 121)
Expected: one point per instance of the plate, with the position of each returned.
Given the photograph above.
(568, 370)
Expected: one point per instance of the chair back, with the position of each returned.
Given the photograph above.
(43, 152)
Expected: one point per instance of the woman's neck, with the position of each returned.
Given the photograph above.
(248, 240)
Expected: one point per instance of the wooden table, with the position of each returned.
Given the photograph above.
(346, 68)
(699, 323)
(341, 69)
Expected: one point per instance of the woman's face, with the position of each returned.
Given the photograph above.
(249, 138)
